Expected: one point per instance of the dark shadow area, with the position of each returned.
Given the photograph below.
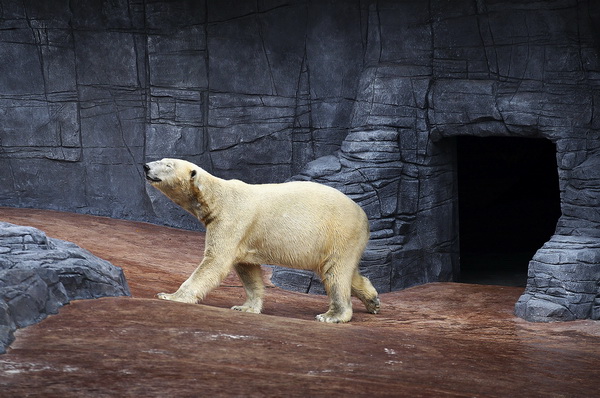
(509, 203)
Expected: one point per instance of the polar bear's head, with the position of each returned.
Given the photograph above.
(177, 179)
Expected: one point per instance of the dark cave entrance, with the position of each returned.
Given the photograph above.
(509, 204)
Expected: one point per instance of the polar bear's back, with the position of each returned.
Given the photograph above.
(313, 200)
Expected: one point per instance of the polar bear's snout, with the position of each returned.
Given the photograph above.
(150, 174)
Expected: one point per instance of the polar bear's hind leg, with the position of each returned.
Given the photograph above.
(337, 281)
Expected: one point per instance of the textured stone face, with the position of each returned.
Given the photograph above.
(38, 275)
(363, 96)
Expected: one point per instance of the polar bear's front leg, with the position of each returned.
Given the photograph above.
(251, 277)
(205, 278)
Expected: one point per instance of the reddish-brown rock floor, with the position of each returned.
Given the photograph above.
(442, 339)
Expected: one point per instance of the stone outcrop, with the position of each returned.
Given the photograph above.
(268, 91)
(38, 275)
(563, 281)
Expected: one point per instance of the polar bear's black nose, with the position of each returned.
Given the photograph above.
(146, 167)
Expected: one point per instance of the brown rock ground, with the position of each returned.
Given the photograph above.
(442, 339)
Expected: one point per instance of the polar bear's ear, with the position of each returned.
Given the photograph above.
(195, 181)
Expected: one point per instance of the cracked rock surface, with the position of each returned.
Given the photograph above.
(366, 96)
(38, 275)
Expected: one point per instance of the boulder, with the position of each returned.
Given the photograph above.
(39, 274)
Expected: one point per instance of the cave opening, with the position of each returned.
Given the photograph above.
(509, 204)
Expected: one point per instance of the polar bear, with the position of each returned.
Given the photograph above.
(300, 224)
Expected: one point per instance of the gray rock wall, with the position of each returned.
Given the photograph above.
(362, 95)
(91, 90)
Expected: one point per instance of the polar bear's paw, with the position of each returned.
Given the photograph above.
(246, 308)
(373, 305)
(333, 318)
(165, 296)
(177, 297)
